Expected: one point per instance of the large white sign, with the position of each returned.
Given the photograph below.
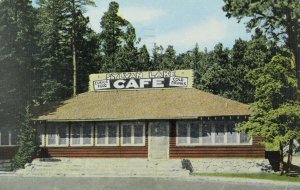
(140, 80)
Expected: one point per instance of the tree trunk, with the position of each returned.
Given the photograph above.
(292, 41)
(281, 164)
(74, 49)
(290, 153)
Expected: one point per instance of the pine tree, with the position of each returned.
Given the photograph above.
(144, 63)
(118, 40)
(27, 144)
(62, 32)
(18, 51)
(169, 59)
(157, 53)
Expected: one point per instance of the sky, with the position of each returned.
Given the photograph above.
(181, 23)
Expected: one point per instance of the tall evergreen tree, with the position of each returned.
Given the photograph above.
(157, 53)
(61, 34)
(17, 58)
(126, 57)
(77, 6)
(217, 78)
(144, 63)
(115, 31)
(169, 59)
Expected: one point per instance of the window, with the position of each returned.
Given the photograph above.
(233, 137)
(8, 136)
(107, 134)
(231, 134)
(4, 136)
(82, 134)
(206, 134)
(244, 138)
(219, 134)
(57, 134)
(196, 133)
(40, 130)
(14, 136)
(133, 134)
(182, 133)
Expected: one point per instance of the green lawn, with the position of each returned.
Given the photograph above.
(274, 177)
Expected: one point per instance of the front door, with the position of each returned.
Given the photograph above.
(158, 140)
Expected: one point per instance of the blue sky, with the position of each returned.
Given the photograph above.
(181, 23)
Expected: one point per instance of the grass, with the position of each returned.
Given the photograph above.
(274, 177)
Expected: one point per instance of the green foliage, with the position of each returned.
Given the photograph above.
(118, 40)
(56, 70)
(143, 59)
(275, 112)
(278, 19)
(18, 51)
(222, 71)
(27, 146)
(267, 15)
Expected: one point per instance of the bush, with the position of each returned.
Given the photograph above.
(27, 145)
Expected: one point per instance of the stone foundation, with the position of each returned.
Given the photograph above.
(227, 165)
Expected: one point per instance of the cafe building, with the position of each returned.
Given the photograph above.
(151, 115)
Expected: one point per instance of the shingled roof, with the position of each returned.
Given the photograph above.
(144, 104)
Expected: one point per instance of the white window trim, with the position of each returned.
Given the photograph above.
(132, 133)
(81, 135)
(9, 139)
(213, 127)
(106, 135)
(56, 137)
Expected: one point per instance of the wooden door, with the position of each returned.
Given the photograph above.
(158, 140)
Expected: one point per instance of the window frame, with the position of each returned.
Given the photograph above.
(213, 134)
(43, 135)
(106, 138)
(56, 136)
(132, 124)
(82, 124)
(9, 138)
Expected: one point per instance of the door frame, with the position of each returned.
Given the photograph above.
(168, 138)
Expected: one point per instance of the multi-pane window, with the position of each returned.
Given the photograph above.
(57, 134)
(107, 134)
(4, 136)
(206, 133)
(133, 134)
(182, 133)
(40, 130)
(231, 134)
(219, 134)
(196, 133)
(8, 136)
(82, 134)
